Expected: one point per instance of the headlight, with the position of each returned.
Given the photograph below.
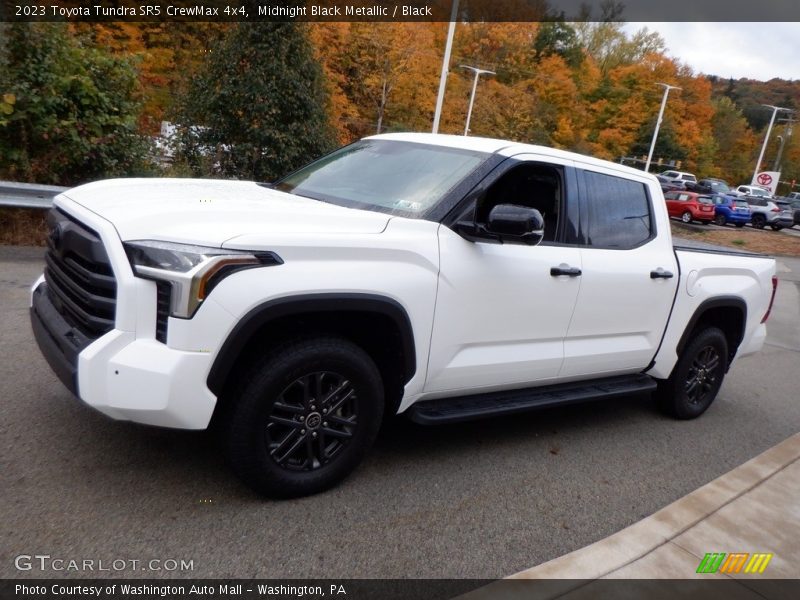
(192, 271)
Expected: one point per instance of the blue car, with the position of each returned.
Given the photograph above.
(728, 209)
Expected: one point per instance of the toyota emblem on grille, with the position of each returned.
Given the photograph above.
(55, 236)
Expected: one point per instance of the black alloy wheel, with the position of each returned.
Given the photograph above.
(701, 378)
(312, 421)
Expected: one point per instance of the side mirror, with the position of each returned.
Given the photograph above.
(516, 224)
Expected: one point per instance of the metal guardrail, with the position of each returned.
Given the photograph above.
(28, 195)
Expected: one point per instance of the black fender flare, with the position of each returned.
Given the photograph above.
(712, 303)
(257, 317)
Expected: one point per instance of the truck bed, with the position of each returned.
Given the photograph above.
(688, 245)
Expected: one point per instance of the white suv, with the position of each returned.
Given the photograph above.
(679, 176)
(750, 190)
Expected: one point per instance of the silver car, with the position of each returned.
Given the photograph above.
(768, 212)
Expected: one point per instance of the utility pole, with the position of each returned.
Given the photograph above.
(445, 66)
(775, 110)
(667, 88)
(478, 72)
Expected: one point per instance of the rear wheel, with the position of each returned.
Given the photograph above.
(776, 227)
(697, 376)
(304, 417)
(686, 217)
(720, 220)
(758, 221)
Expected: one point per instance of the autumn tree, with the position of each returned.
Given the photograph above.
(259, 103)
(72, 108)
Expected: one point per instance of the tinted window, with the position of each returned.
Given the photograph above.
(741, 203)
(619, 211)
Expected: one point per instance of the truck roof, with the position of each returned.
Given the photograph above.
(504, 148)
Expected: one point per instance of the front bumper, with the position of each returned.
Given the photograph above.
(126, 378)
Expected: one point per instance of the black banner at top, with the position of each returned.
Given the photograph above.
(397, 10)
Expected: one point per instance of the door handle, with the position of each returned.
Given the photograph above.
(660, 273)
(564, 269)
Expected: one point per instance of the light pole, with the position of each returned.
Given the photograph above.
(437, 115)
(667, 88)
(775, 110)
(478, 72)
(783, 138)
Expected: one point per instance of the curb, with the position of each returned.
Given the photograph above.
(620, 549)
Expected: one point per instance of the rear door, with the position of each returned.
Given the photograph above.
(629, 277)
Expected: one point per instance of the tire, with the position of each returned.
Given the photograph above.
(758, 221)
(739, 225)
(776, 227)
(686, 217)
(697, 377)
(267, 430)
(720, 220)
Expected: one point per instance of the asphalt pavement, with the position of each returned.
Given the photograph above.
(474, 500)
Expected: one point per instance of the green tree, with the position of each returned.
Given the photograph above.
(69, 109)
(259, 104)
(558, 37)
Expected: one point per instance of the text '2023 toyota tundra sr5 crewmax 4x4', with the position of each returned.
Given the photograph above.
(448, 278)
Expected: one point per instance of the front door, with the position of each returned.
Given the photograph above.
(501, 311)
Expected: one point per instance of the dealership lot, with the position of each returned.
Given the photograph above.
(481, 499)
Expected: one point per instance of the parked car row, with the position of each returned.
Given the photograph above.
(711, 199)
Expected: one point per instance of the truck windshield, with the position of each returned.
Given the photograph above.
(390, 176)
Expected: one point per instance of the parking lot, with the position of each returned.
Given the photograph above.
(478, 500)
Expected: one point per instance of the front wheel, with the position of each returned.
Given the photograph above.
(686, 217)
(697, 377)
(720, 220)
(304, 417)
(758, 221)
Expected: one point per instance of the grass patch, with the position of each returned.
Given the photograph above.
(23, 226)
(764, 241)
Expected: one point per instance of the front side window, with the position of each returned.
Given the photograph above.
(405, 178)
(619, 211)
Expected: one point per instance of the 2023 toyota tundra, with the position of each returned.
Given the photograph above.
(445, 277)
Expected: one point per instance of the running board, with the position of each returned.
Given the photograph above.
(468, 408)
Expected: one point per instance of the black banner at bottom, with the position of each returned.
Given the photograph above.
(712, 588)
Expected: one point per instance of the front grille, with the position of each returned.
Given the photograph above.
(79, 277)
(163, 297)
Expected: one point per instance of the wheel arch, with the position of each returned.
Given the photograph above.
(728, 313)
(363, 318)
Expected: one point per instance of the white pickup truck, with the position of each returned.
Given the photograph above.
(448, 278)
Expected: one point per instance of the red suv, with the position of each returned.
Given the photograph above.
(690, 206)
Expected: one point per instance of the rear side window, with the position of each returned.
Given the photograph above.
(618, 209)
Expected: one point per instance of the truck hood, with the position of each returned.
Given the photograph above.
(208, 212)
